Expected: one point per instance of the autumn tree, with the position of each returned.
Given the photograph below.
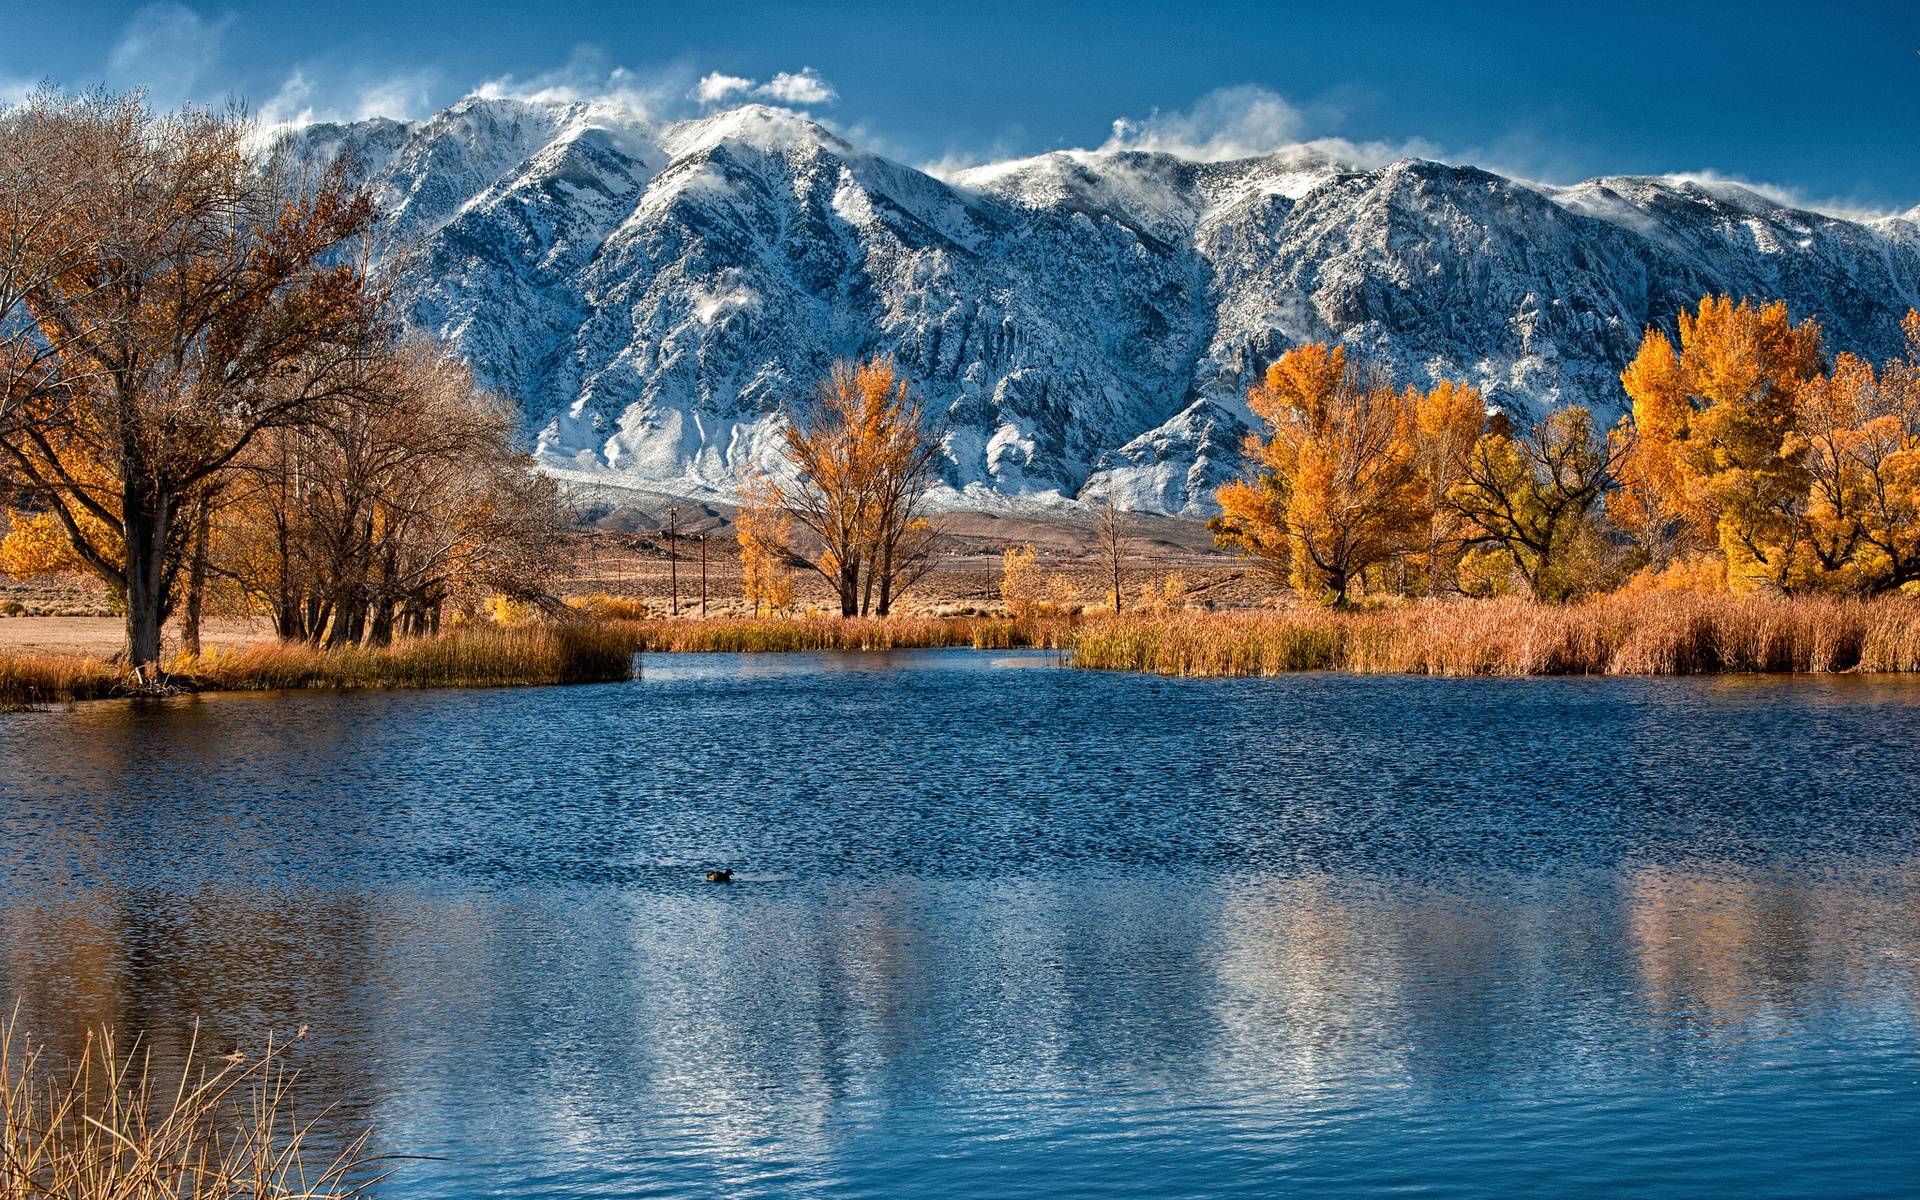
(1861, 432)
(407, 493)
(1445, 423)
(1531, 498)
(1335, 487)
(1712, 445)
(1022, 587)
(863, 460)
(207, 306)
(765, 532)
(1111, 551)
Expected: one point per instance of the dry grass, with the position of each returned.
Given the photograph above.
(756, 635)
(108, 1127)
(1648, 634)
(51, 678)
(475, 657)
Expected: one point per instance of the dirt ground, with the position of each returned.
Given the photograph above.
(102, 637)
(633, 562)
(627, 556)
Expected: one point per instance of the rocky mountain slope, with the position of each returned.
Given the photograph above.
(1085, 321)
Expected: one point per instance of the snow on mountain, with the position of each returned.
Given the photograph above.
(1085, 321)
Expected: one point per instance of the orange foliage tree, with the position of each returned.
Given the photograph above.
(1712, 445)
(863, 458)
(1349, 474)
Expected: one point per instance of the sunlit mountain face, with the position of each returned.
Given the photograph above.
(1086, 322)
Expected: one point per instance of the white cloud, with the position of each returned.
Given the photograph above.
(1781, 194)
(804, 86)
(1231, 122)
(13, 91)
(586, 78)
(728, 294)
(166, 48)
(292, 106)
(717, 88)
(405, 96)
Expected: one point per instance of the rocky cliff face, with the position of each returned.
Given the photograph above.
(651, 293)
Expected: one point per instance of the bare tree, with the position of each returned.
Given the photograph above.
(207, 308)
(1110, 548)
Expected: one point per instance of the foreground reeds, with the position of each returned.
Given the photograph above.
(531, 655)
(1647, 634)
(110, 1126)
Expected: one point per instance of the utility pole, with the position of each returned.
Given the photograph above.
(703, 575)
(673, 558)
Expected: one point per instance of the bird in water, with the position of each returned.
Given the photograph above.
(719, 876)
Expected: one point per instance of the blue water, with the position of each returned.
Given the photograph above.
(1007, 930)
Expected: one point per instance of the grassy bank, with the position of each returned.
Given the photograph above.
(1652, 634)
(481, 657)
(745, 635)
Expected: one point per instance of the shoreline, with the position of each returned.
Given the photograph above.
(1626, 635)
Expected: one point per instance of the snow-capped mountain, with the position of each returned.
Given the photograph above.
(1085, 321)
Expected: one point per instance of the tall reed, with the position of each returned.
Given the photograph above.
(110, 1126)
(486, 656)
(1641, 634)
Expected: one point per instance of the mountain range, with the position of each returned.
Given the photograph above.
(1084, 322)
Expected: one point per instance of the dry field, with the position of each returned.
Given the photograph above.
(627, 557)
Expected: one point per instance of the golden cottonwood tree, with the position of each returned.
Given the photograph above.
(864, 459)
(765, 533)
(363, 522)
(1340, 483)
(1531, 499)
(1713, 443)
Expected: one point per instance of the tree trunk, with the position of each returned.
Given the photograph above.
(380, 633)
(196, 578)
(886, 580)
(144, 516)
(850, 589)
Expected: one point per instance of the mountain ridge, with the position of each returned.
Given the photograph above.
(1085, 322)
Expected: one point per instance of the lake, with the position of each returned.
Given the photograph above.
(1002, 929)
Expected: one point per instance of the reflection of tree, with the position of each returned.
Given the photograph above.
(1736, 947)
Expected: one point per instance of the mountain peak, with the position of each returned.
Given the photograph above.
(653, 292)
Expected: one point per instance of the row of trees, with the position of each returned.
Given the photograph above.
(203, 391)
(1747, 456)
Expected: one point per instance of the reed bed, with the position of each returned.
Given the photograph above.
(1642, 634)
(763, 635)
(533, 655)
(108, 1126)
(55, 678)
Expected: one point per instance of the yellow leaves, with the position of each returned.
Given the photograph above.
(1796, 475)
(1302, 384)
(1020, 586)
(865, 462)
(1350, 474)
(764, 529)
(37, 545)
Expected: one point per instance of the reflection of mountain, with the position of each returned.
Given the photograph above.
(652, 292)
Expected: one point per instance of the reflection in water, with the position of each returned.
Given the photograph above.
(1014, 932)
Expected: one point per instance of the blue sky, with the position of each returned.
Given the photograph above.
(1821, 103)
